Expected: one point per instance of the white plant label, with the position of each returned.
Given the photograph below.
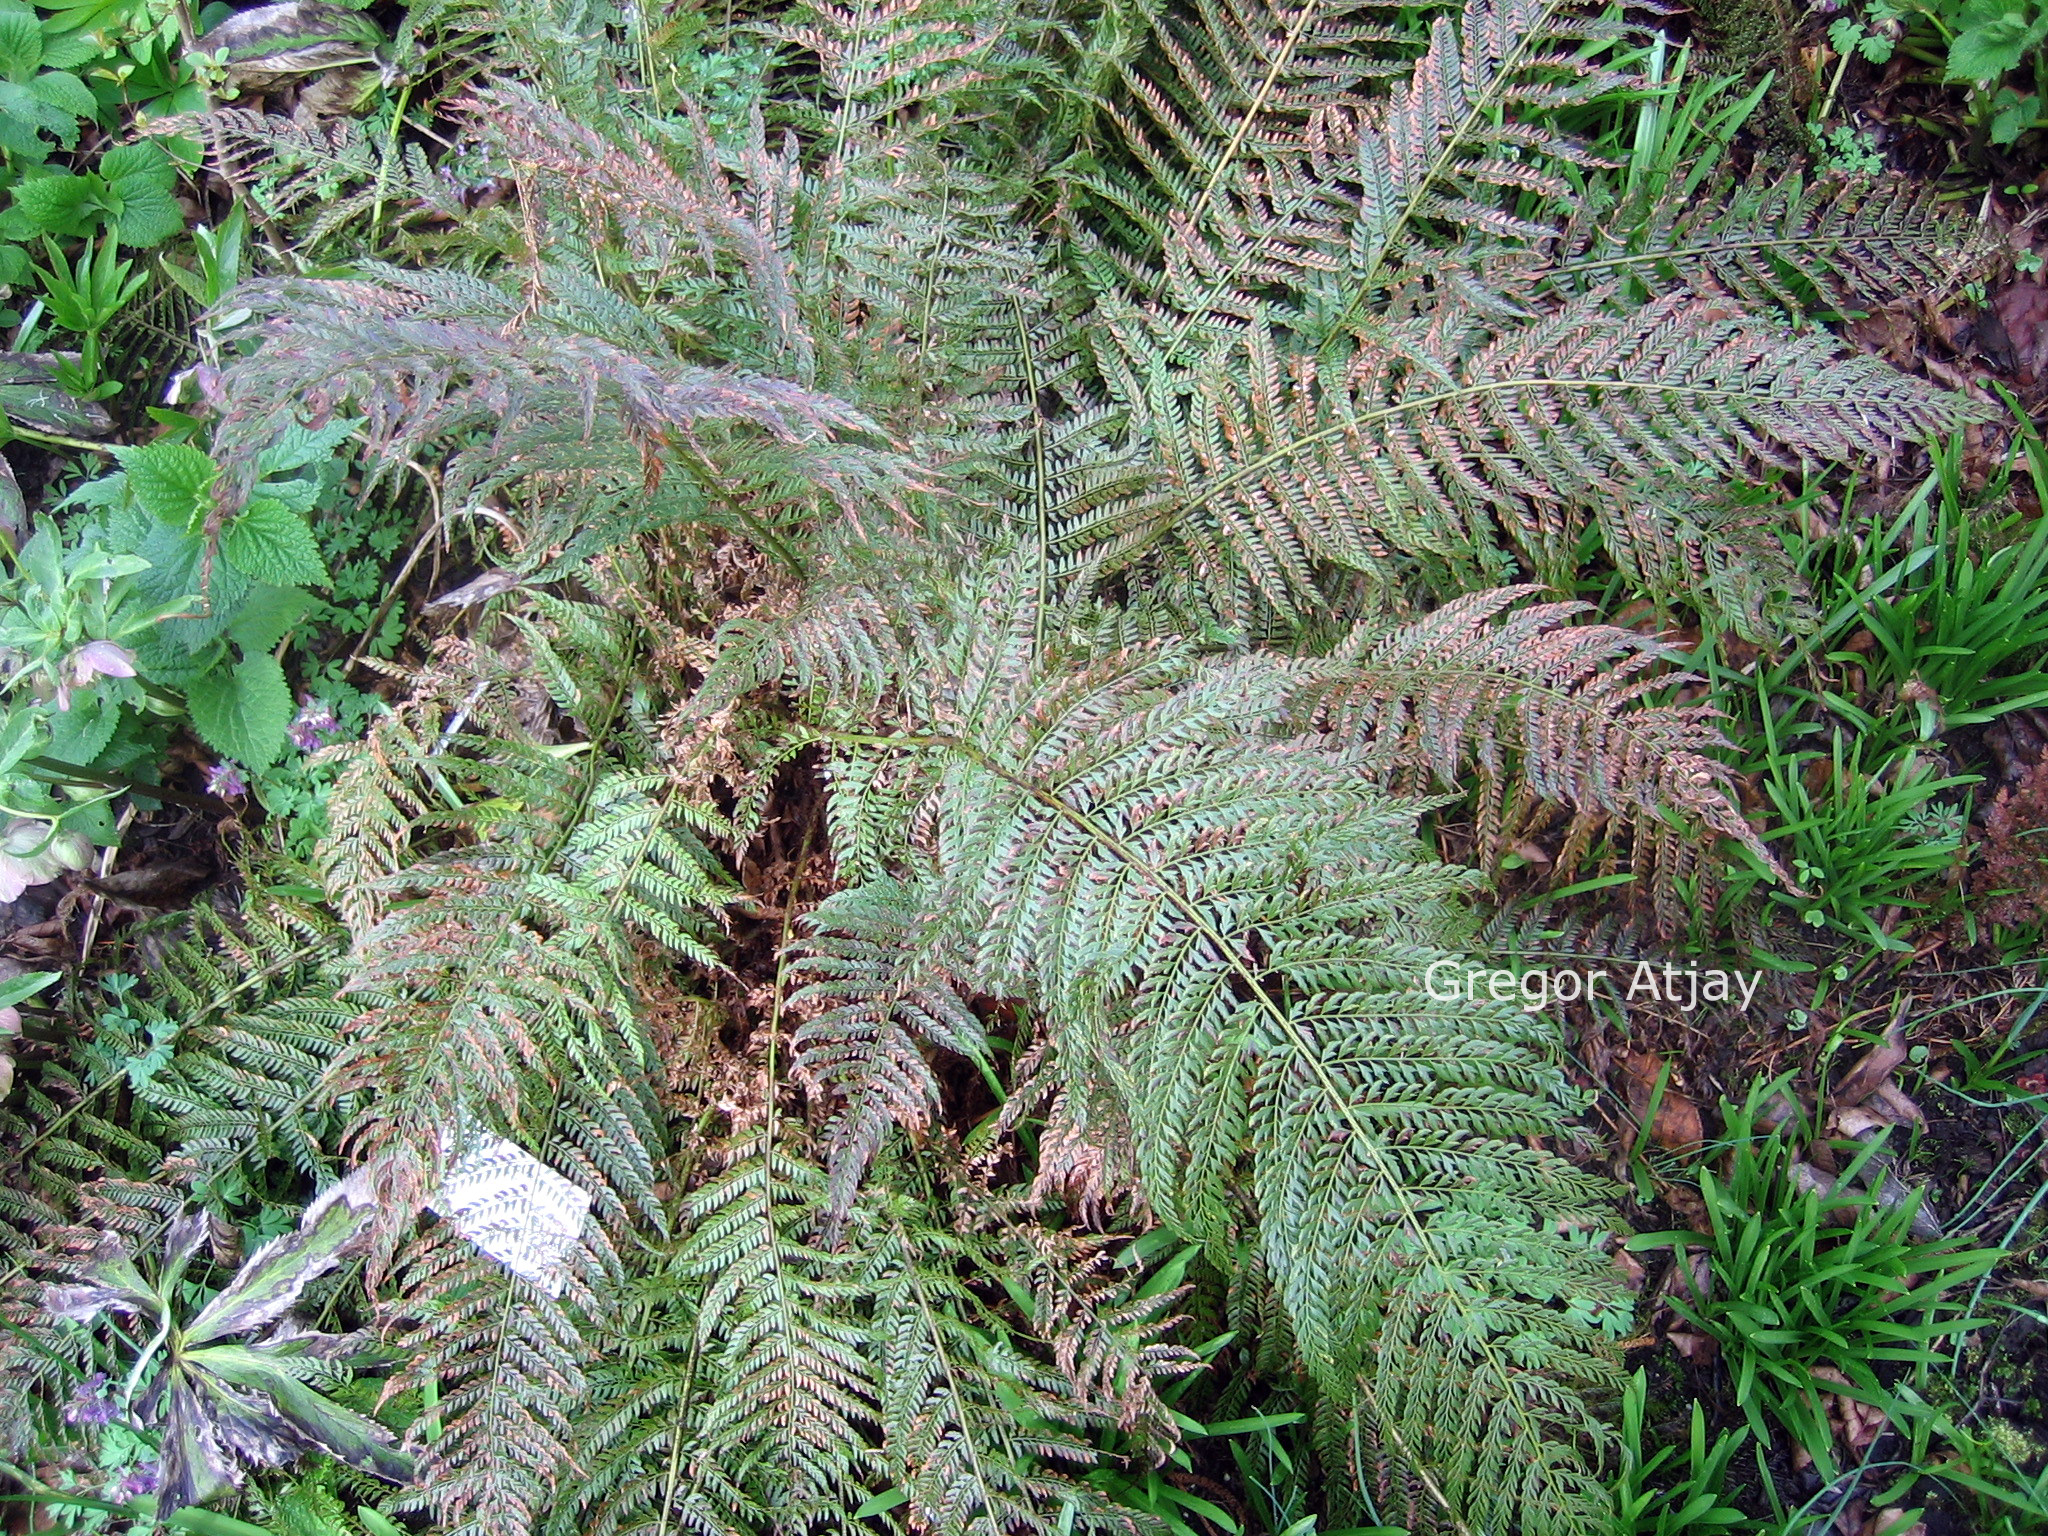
(516, 1209)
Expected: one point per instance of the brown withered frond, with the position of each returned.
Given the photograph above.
(1569, 708)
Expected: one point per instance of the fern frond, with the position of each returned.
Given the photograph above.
(419, 374)
(1425, 435)
(1231, 926)
(789, 1379)
(1759, 240)
(1481, 676)
(974, 1430)
(871, 996)
(508, 1362)
(1108, 1340)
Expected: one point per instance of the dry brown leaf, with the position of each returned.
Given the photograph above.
(1856, 1424)
(1891, 1102)
(1633, 1274)
(1677, 1126)
(1895, 1522)
(2022, 311)
(1877, 1064)
(1855, 1120)
(1695, 1347)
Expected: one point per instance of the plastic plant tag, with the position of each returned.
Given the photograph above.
(515, 1208)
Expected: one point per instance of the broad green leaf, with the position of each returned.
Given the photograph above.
(267, 617)
(271, 543)
(282, 1268)
(298, 446)
(21, 733)
(146, 217)
(243, 713)
(172, 480)
(1994, 37)
(140, 183)
(178, 567)
(57, 204)
(26, 986)
(67, 93)
(22, 113)
(21, 44)
(68, 50)
(79, 734)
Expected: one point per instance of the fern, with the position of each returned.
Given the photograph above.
(497, 977)
(1073, 416)
(1230, 926)
(1362, 333)
(1472, 677)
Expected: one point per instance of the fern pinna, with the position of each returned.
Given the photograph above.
(1121, 452)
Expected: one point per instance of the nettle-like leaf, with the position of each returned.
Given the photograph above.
(130, 193)
(270, 543)
(171, 481)
(35, 98)
(243, 712)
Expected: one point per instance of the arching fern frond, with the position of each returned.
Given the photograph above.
(1427, 437)
(870, 994)
(1480, 678)
(1758, 240)
(1231, 926)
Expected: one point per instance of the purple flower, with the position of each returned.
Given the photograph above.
(226, 781)
(314, 724)
(139, 1483)
(100, 658)
(90, 1402)
(96, 658)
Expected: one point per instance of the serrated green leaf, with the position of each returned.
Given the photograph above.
(297, 446)
(172, 481)
(132, 165)
(21, 44)
(66, 92)
(68, 50)
(271, 543)
(56, 205)
(22, 113)
(147, 217)
(140, 187)
(79, 734)
(1994, 38)
(268, 616)
(243, 713)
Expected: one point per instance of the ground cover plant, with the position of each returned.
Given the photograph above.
(738, 739)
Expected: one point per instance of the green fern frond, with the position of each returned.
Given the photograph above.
(1759, 240)
(1101, 839)
(508, 1366)
(871, 996)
